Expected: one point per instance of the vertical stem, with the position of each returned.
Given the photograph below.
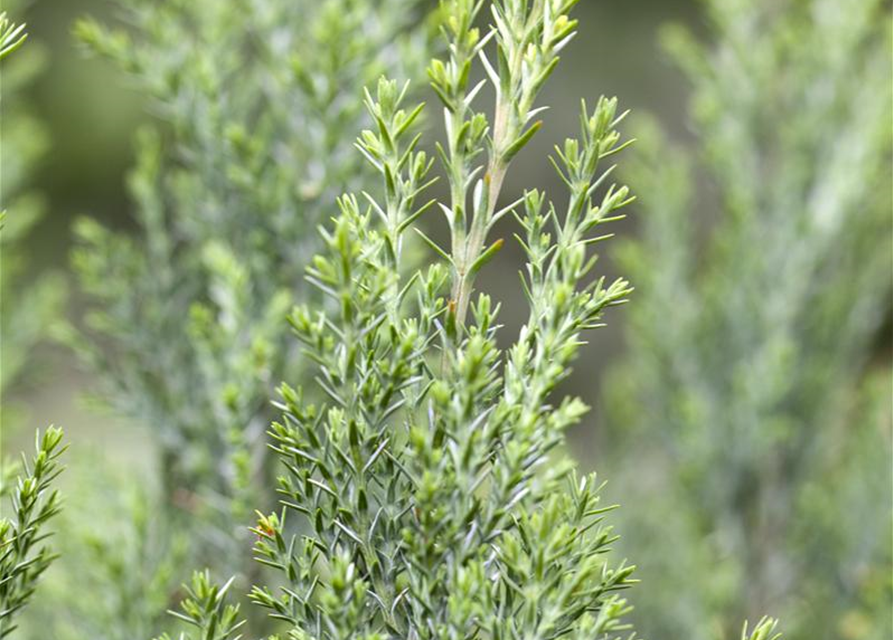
(503, 135)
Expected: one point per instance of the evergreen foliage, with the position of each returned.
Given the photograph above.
(740, 395)
(424, 495)
(23, 555)
(423, 490)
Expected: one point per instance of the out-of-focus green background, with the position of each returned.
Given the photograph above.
(91, 114)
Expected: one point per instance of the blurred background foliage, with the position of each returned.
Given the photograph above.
(750, 396)
(754, 343)
(24, 148)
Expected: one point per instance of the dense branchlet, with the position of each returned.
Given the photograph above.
(24, 556)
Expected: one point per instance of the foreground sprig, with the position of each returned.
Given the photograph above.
(423, 486)
(23, 556)
(430, 497)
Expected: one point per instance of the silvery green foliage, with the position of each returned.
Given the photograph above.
(27, 304)
(426, 484)
(185, 326)
(747, 355)
(24, 556)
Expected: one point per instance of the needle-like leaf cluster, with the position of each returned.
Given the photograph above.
(24, 556)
